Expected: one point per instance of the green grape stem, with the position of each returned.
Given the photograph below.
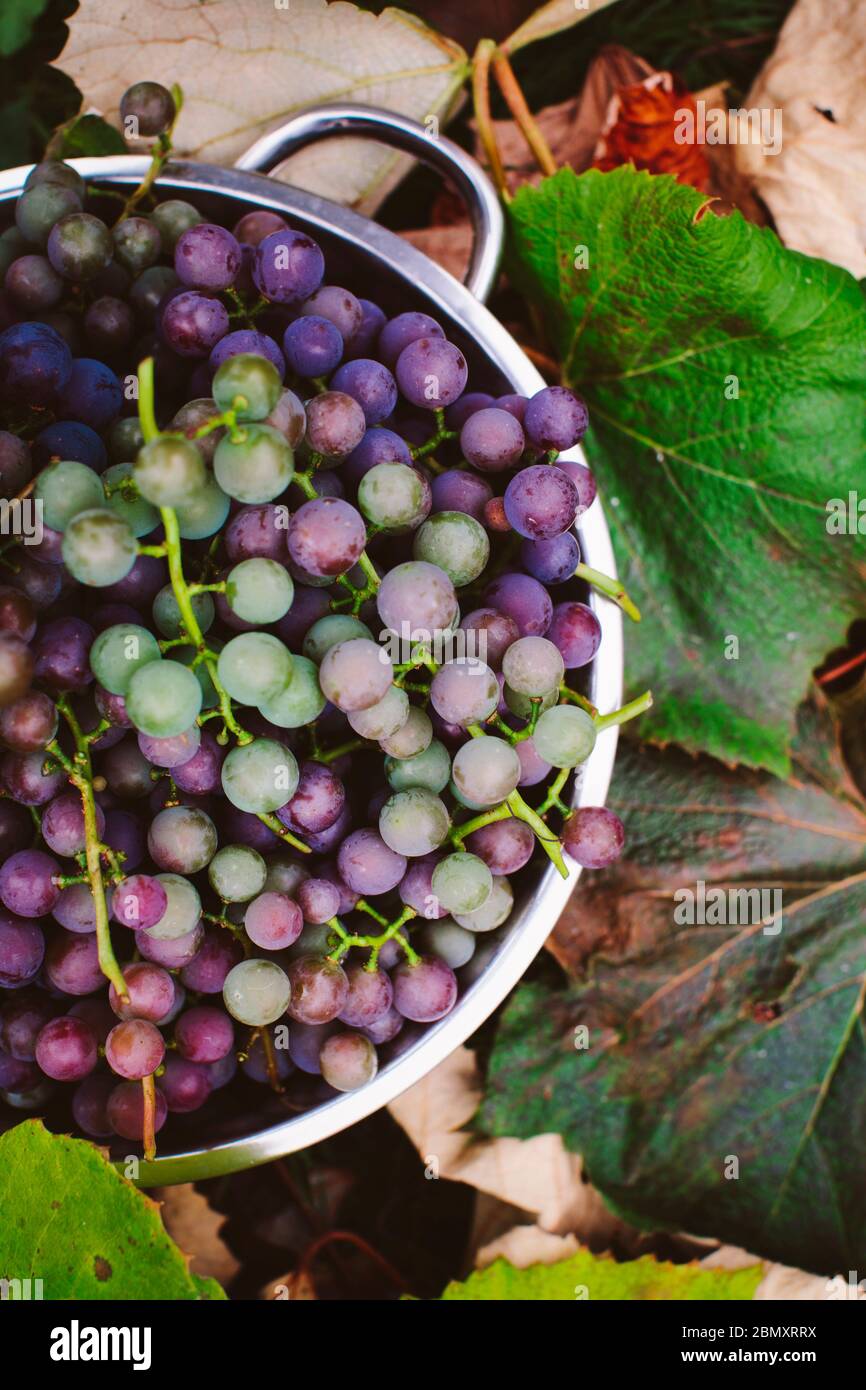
(441, 434)
(371, 943)
(635, 707)
(279, 829)
(79, 769)
(611, 588)
(161, 152)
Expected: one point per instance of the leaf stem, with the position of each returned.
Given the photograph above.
(483, 119)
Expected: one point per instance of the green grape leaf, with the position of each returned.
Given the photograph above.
(71, 1220)
(598, 1277)
(17, 23)
(87, 135)
(725, 378)
(710, 1063)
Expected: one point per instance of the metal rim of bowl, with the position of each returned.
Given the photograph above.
(532, 921)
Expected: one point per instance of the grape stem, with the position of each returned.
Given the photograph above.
(639, 705)
(577, 699)
(515, 805)
(373, 944)
(553, 799)
(610, 587)
(330, 755)
(441, 434)
(279, 829)
(161, 152)
(80, 772)
(148, 1086)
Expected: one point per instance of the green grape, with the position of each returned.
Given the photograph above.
(260, 776)
(173, 218)
(522, 705)
(394, 496)
(414, 822)
(564, 736)
(257, 465)
(383, 718)
(237, 873)
(493, 912)
(139, 515)
(205, 514)
(259, 590)
(124, 440)
(186, 656)
(486, 770)
(166, 612)
(169, 472)
(118, 652)
(163, 699)
(300, 702)
(411, 738)
(183, 911)
(457, 543)
(65, 489)
(254, 666)
(257, 992)
(462, 882)
(40, 207)
(98, 548)
(247, 384)
(533, 666)
(431, 768)
(455, 945)
(327, 632)
(79, 246)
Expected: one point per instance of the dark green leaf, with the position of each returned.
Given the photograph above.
(723, 1087)
(717, 505)
(17, 21)
(87, 135)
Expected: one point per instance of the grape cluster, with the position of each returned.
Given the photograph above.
(279, 668)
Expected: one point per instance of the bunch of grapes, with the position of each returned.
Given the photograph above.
(277, 671)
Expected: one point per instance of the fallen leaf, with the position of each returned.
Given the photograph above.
(640, 129)
(551, 19)
(245, 66)
(585, 1276)
(815, 186)
(193, 1224)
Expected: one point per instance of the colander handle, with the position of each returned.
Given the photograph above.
(475, 188)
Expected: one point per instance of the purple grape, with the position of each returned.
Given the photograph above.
(514, 404)
(126, 770)
(22, 949)
(109, 324)
(522, 598)
(305, 1044)
(74, 909)
(551, 561)
(207, 257)
(30, 723)
(584, 482)
(62, 652)
(243, 828)
(255, 1064)
(42, 583)
(90, 1106)
(377, 446)
(594, 836)
(555, 418)
(348, 1060)
(319, 989)
(247, 340)
(362, 342)
(134, 1049)
(23, 778)
(425, 991)
(97, 1014)
(35, 364)
(125, 1110)
(370, 384)
(139, 902)
(318, 800)
(308, 605)
(273, 921)
(63, 825)
(492, 635)
(318, 899)
(17, 616)
(324, 841)
(369, 998)
(33, 284)
(541, 502)
(348, 897)
(16, 828)
(140, 587)
(455, 490)
(504, 845)
(91, 393)
(150, 989)
(216, 956)
(259, 530)
(193, 324)
(16, 1075)
(533, 767)
(21, 1021)
(173, 953)
(326, 537)
(313, 346)
(289, 267)
(471, 401)
(72, 963)
(367, 865)
(200, 774)
(124, 834)
(406, 328)
(185, 1086)
(416, 597)
(576, 631)
(416, 888)
(27, 885)
(386, 1028)
(431, 373)
(204, 1034)
(171, 752)
(254, 226)
(66, 1049)
(69, 439)
(492, 439)
(222, 1072)
(335, 424)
